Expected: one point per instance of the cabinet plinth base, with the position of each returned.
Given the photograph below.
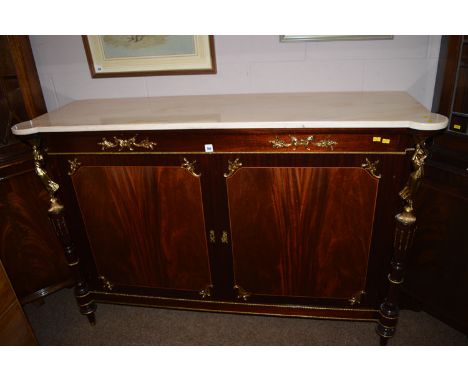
(286, 310)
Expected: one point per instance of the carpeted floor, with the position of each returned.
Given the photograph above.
(58, 322)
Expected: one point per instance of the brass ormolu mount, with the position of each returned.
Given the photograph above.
(356, 299)
(242, 294)
(206, 292)
(106, 284)
(233, 166)
(129, 144)
(404, 232)
(408, 192)
(371, 168)
(55, 206)
(190, 167)
(74, 165)
(278, 143)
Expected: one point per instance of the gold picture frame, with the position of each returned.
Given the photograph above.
(150, 55)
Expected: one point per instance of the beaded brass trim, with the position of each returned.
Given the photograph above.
(230, 152)
(248, 313)
(387, 327)
(293, 306)
(394, 281)
(387, 317)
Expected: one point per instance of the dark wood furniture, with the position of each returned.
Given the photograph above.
(183, 213)
(29, 249)
(437, 276)
(14, 326)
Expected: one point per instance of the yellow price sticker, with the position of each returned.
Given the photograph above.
(376, 139)
(457, 127)
(386, 141)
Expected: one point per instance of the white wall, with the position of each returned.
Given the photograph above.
(253, 64)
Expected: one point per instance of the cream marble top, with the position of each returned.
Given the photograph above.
(285, 110)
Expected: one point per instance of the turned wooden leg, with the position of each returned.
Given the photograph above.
(389, 310)
(56, 216)
(384, 341)
(85, 302)
(404, 233)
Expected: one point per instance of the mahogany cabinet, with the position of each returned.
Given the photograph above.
(296, 221)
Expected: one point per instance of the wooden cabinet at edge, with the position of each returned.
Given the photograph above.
(283, 230)
(29, 250)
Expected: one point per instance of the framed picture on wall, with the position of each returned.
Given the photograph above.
(149, 55)
(311, 37)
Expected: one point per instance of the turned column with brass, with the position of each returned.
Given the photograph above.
(405, 226)
(57, 218)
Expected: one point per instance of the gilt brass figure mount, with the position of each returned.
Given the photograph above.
(409, 191)
(51, 187)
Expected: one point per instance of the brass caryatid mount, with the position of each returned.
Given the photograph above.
(51, 187)
(412, 185)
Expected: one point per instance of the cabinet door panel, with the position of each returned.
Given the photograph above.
(145, 225)
(301, 231)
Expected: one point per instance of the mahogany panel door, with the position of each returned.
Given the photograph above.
(145, 225)
(301, 231)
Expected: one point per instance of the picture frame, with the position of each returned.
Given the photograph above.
(299, 38)
(150, 55)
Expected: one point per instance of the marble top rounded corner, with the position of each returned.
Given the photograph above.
(274, 110)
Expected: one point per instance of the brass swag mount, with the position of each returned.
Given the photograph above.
(130, 144)
(278, 143)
